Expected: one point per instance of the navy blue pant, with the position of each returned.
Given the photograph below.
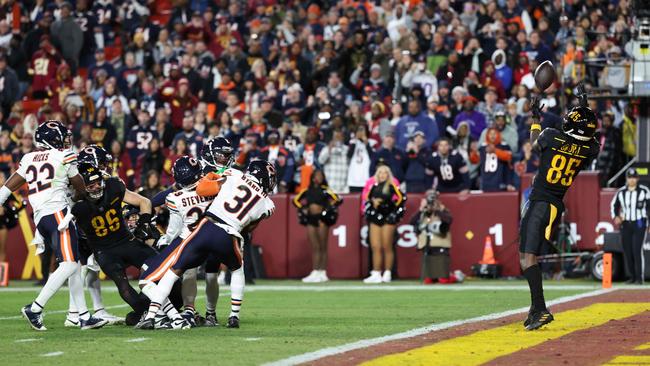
(207, 241)
(63, 243)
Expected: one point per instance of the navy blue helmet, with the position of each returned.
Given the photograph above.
(217, 153)
(97, 156)
(186, 171)
(264, 173)
(52, 134)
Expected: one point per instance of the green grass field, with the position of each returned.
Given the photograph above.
(279, 319)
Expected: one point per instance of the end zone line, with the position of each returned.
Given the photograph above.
(330, 351)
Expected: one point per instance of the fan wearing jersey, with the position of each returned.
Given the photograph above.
(242, 201)
(48, 172)
(100, 217)
(186, 209)
(450, 169)
(562, 155)
(98, 156)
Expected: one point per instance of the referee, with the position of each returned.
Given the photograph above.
(630, 210)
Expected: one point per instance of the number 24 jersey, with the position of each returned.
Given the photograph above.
(561, 158)
(240, 201)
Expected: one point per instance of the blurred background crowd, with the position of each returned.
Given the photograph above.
(438, 91)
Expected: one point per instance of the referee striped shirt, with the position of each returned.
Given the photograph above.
(632, 205)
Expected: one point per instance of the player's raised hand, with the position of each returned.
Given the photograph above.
(536, 108)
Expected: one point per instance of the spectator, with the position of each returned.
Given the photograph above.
(306, 156)
(503, 72)
(8, 85)
(415, 120)
(67, 36)
(383, 210)
(153, 160)
(474, 119)
(450, 169)
(42, 68)
(275, 154)
(527, 160)
(418, 177)
(628, 130)
(151, 185)
(193, 139)
(102, 131)
(609, 160)
(509, 135)
(495, 158)
(140, 136)
(390, 155)
(334, 160)
(360, 156)
(100, 64)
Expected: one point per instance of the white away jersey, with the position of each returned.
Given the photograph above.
(239, 202)
(47, 174)
(186, 208)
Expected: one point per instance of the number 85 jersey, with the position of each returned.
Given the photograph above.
(240, 202)
(47, 174)
(561, 158)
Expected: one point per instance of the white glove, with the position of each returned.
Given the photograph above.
(92, 264)
(38, 242)
(163, 241)
(66, 221)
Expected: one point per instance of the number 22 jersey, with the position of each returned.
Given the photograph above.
(47, 174)
(561, 158)
(240, 201)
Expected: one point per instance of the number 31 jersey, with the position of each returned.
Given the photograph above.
(102, 221)
(561, 158)
(186, 208)
(240, 201)
(47, 174)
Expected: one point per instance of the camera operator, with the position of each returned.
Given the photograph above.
(432, 224)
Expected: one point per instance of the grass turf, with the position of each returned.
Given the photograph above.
(275, 324)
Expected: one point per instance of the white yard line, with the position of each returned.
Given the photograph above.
(135, 340)
(252, 339)
(325, 287)
(52, 354)
(28, 340)
(330, 351)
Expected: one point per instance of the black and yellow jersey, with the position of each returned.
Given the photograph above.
(561, 158)
(103, 221)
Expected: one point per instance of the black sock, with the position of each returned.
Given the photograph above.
(534, 276)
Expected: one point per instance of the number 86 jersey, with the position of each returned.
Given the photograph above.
(561, 158)
(47, 174)
(240, 202)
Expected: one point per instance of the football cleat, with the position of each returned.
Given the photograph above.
(71, 320)
(233, 322)
(162, 322)
(35, 319)
(146, 324)
(112, 319)
(211, 320)
(539, 319)
(92, 323)
(528, 317)
(181, 323)
(189, 316)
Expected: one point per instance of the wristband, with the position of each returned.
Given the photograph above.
(535, 127)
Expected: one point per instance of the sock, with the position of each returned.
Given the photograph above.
(189, 287)
(72, 308)
(211, 292)
(158, 293)
(534, 276)
(237, 282)
(94, 288)
(77, 292)
(53, 284)
(170, 310)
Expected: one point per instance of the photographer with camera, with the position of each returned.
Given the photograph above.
(432, 227)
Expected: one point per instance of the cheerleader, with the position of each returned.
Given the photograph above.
(317, 209)
(384, 207)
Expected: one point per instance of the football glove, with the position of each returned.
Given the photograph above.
(536, 108)
(146, 228)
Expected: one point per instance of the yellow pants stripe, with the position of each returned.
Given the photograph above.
(552, 216)
(486, 345)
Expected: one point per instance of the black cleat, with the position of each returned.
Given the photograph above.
(146, 324)
(211, 320)
(92, 323)
(35, 319)
(539, 319)
(530, 315)
(233, 322)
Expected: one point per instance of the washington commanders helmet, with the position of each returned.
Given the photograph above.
(580, 123)
(93, 179)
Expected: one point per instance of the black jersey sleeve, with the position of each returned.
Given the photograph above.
(545, 138)
(117, 187)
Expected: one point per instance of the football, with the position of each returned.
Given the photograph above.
(544, 75)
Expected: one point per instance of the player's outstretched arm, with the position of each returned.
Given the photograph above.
(137, 200)
(12, 184)
(535, 127)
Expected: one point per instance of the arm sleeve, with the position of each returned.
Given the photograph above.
(160, 197)
(335, 197)
(22, 168)
(175, 225)
(503, 154)
(615, 205)
(297, 198)
(399, 194)
(324, 155)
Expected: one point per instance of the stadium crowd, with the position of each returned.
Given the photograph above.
(435, 90)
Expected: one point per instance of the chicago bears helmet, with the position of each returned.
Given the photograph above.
(96, 155)
(187, 171)
(580, 123)
(217, 153)
(93, 179)
(52, 134)
(264, 173)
